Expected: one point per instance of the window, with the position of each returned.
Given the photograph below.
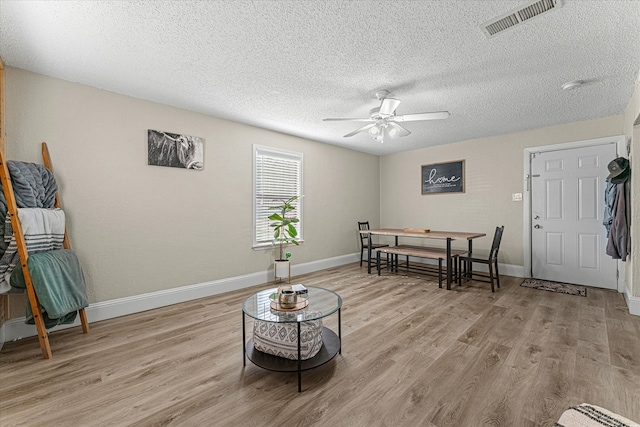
(277, 176)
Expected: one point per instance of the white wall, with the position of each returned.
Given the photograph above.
(633, 134)
(139, 228)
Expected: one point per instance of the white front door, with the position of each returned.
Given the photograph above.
(567, 206)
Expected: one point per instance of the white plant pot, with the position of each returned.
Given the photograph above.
(282, 269)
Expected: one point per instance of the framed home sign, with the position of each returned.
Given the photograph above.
(443, 178)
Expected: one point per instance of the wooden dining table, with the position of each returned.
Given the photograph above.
(449, 236)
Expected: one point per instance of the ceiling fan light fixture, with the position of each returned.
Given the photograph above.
(572, 85)
(383, 120)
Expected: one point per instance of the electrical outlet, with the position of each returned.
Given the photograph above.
(516, 197)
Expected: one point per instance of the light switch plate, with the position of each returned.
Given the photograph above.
(516, 197)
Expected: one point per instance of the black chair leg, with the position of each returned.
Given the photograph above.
(497, 275)
(491, 276)
(361, 255)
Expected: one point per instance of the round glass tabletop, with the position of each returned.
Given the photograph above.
(321, 303)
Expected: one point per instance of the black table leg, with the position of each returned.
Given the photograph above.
(244, 345)
(394, 258)
(369, 255)
(449, 264)
(340, 330)
(470, 264)
(300, 361)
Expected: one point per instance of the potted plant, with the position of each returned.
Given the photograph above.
(284, 232)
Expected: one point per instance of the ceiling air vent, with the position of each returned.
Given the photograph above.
(519, 15)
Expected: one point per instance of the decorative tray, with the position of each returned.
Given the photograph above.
(300, 304)
(416, 230)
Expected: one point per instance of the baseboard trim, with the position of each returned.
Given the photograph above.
(15, 329)
(633, 303)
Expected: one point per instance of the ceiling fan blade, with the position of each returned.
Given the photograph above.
(437, 115)
(395, 130)
(348, 120)
(388, 106)
(362, 129)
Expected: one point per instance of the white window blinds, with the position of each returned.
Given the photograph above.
(277, 177)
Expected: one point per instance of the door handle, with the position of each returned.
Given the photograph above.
(536, 226)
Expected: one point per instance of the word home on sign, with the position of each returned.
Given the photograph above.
(443, 178)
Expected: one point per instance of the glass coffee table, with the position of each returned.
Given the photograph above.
(321, 303)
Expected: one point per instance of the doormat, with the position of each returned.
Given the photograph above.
(563, 288)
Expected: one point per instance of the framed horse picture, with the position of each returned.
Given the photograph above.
(175, 150)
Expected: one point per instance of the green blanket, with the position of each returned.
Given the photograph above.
(59, 284)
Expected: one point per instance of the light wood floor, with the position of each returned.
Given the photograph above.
(413, 355)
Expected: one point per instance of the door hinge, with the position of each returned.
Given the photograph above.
(617, 274)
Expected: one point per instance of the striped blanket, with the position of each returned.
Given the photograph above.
(43, 230)
(34, 186)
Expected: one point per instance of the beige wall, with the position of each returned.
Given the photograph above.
(633, 134)
(493, 171)
(139, 228)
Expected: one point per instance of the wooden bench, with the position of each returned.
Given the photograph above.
(418, 252)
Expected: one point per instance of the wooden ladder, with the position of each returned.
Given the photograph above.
(12, 209)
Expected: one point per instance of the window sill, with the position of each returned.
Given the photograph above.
(265, 246)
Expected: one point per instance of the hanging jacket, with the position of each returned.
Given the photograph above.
(609, 200)
(618, 244)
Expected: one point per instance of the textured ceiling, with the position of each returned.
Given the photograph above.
(286, 65)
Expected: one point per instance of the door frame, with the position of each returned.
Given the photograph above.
(621, 150)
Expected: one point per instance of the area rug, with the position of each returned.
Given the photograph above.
(563, 288)
(586, 415)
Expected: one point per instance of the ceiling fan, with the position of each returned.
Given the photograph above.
(384, 121)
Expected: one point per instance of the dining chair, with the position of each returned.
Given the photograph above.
(491, 261)
(364, 241)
